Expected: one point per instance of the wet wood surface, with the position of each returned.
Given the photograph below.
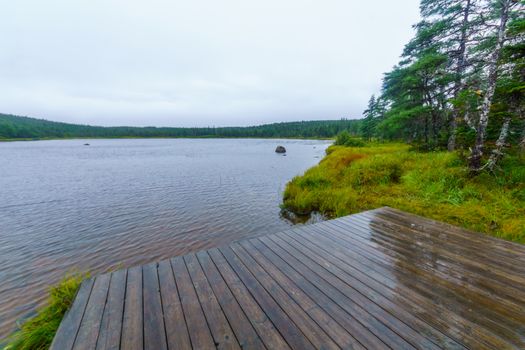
(382, 279)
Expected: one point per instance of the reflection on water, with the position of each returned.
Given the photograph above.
(65, 206)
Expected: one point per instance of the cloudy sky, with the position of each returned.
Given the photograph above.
(197, 62)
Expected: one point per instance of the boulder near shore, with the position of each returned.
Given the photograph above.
(280, 149)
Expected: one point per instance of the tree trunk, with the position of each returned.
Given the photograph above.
(497, 153)
(426, 129)
(469, 121)
(435, 133)
(451, 146)
(433, 123)
(481, 130)
(522, 142)
(460, 69)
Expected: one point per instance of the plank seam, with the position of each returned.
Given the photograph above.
(161, 305)
(180, 301)
(379, 282)
(217, 299)
(104, 309)
(484, 293)
(321, 291)
(273, 297)
(200, 303)
(256, 301)
(363, 296)
(83, 313)
(142, 297)
(123, 309)
(386, 235)
(289, 295)
(378, 272)
(237, 300)
(511, 245)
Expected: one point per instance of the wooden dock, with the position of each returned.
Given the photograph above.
(382, 279)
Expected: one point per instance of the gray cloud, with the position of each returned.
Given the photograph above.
(197, 62)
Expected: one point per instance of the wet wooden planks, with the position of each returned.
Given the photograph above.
(380, 279)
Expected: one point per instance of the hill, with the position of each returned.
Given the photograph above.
(17, 127)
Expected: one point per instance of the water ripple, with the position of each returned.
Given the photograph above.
(66, 207)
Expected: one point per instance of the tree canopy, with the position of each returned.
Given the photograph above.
(16, 127)
(460, 82)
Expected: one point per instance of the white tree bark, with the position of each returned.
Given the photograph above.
(497, 153)
(481, 130)
(522, 142)
(469, 121)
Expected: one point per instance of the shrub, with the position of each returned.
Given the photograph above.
(38, 332)
(345, 139)
(434, 184)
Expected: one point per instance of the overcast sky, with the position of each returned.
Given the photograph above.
(197, 62)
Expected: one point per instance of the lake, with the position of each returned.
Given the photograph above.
(66, 206)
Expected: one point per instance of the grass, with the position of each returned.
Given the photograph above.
(436, 185)
(38, 332)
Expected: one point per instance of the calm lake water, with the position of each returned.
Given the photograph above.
(117, 203)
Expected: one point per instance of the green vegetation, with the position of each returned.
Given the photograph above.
(458, 89)
(38, 332)
(460, 83)
(456, 98)
(345, 139)
(435, 184)
(15, 127)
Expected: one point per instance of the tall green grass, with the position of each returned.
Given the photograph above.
(436, 185)
(38, 332)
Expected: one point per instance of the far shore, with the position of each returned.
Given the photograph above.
(165, 138)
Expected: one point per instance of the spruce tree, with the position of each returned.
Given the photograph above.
(492, 45)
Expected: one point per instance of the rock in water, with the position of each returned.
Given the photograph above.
(280, 149)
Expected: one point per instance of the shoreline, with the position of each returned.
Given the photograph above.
(168, 138)
(107, 189)
(436, 185)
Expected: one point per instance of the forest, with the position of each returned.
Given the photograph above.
(16, 127)
(459, 84)
(445, 138)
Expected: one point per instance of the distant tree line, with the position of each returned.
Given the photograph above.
(460, 82)
(16, 127)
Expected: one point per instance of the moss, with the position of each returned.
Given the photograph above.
(38, 332)
(433, 184)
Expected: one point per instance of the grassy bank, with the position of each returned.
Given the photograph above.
(436, 185)
(38, 332)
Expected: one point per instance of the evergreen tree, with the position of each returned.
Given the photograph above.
(447, 27)
(461, 75)
(416, 92)
(491, 48)
(369, 121)
(13, 127)
(510, 90)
